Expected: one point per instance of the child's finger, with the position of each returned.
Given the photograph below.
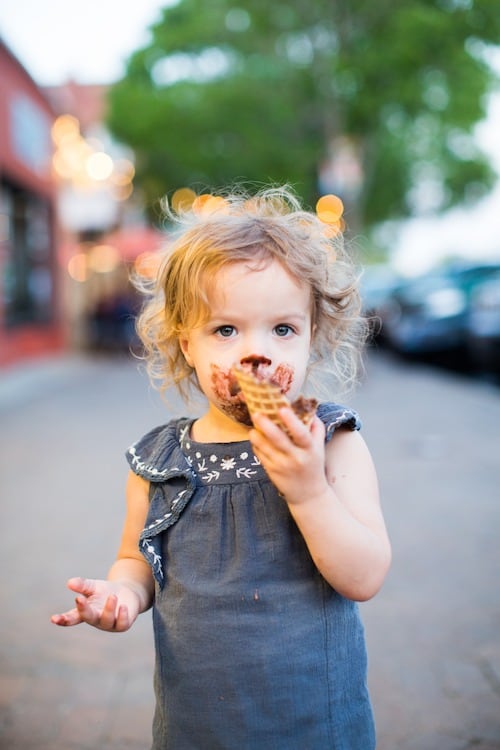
(85, 586)
(67, 619)
(267, 435)
(107, 620)
(299, 433)
(122, 619)
(268, 428)
(104, 619)
(317, 428)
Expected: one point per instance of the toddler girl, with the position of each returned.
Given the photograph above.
(252, 543)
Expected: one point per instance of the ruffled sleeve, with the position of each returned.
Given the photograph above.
(157, 458)
(335, 416)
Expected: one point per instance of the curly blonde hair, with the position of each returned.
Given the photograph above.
(239, 227)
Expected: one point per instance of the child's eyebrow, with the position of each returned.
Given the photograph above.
(297, 316)
(222, 315)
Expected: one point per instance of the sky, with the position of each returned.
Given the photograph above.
(89, 42)
(85, 40)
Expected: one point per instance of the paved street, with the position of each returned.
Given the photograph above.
(433, 631)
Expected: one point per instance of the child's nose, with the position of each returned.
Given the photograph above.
(255, 345)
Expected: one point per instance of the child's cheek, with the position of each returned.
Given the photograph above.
(283, 376)
(224, 384)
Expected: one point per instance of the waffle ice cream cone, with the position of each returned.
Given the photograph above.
(265, 397)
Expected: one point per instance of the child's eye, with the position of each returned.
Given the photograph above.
(283, 330)
(225, 331)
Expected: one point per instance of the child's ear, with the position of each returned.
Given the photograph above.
(184, 345)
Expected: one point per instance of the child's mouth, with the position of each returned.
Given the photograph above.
(228, 393)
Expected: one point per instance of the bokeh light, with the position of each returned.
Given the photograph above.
(103, 258)
(123, 172)
(122, 192)
(78, 267)
(329, 208)
(99, 166)
(208, 204)
(182, 199)
(65, 127)
(147, 264)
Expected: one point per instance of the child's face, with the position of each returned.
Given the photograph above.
(264, 313)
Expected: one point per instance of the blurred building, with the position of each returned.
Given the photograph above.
(30, 310)
(71, 224)
(105, 232)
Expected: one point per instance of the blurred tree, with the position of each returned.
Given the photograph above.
(376, 101)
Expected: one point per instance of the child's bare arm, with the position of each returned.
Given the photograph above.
(332, 493)
(115, 603)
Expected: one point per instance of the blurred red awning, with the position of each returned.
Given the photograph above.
(133, 241)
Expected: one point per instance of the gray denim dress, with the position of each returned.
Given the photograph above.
(254, 649)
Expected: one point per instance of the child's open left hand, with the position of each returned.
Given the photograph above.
(295, 462)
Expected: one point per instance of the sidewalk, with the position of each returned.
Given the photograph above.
(432, 632)
(64, 430)
(20, 383)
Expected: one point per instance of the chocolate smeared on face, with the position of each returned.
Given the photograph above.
(263, 396)
(239, 412)
(234, 388)
(227, 391)
(256, 362)
(228, 395)
(259, 367)
(283, 377)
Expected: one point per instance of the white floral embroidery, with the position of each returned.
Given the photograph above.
(140, 466)
(184, 430)
(180, 494)
(159, 520)
(211, 475)
(248, 472)
(223, 466)
(154, 558)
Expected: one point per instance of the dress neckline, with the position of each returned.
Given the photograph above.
(220, 463)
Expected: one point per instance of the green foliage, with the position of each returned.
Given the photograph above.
(255, 91)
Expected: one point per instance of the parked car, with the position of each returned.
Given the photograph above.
(483, 325)
(378, 283)
(428, 315)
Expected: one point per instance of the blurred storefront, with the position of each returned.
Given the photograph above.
(105, 232)
(72, 226)
(30, 310)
